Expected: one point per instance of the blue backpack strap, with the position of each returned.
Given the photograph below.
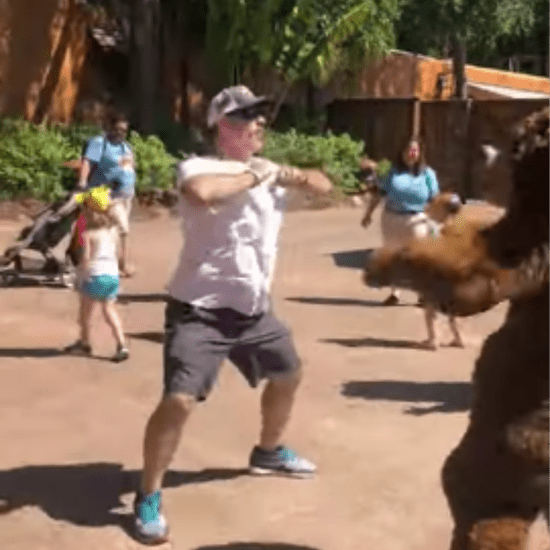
(87, 142)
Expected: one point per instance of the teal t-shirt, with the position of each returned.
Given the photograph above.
(113, 165)
(406, 192)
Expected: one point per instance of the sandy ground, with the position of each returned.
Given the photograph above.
(375, 414)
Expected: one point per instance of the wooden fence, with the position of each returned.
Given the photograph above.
(453, 132)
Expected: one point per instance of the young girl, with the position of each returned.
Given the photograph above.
(98, 279)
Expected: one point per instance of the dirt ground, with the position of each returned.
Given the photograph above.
(377, 415)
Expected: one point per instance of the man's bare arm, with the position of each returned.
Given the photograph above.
(210, 188)
(307, 179)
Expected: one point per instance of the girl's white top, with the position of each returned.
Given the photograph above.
(103, 253)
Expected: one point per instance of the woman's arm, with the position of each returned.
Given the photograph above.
(432, 183)
(375, 199)
(376, 193)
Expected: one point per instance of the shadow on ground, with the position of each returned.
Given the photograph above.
(142, 298)
(446, 396)
(46, 353)
(87, 494)
(374, 342)
(326, 301)
(39, 353)
(155, 337)
(255, 546)
(352, 259)
(28, 281)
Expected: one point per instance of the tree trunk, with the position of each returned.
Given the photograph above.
(311, 108)
(279, 102)
(459, 67)
(146, 62)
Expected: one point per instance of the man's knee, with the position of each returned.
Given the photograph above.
(177, 405)
(289, 382)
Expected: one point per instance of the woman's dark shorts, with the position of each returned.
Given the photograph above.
(198, 340)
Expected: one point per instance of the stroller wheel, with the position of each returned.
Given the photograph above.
(68, 279)
(9, 279)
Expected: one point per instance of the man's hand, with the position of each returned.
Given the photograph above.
(308, 180)
(262, 169)
(291, 177)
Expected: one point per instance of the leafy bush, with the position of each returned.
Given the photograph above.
(338, 156)
(79, 134)
(154, 166)
(31, 159)
(383, 168)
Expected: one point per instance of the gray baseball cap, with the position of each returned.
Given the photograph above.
(233, 99)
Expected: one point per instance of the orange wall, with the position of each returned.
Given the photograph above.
(402, 74)
(428, 73)
(399, 74)
(391, 76)
(42, 52)
(508, 79)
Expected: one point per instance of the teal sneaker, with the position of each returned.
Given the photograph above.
(150, 525)
(280, 461)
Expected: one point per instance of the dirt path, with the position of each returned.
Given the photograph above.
(376, 415)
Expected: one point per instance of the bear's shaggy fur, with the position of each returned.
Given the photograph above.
(496, 480)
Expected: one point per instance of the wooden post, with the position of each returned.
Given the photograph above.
(459, 67)
(470, 189)
(416, 115)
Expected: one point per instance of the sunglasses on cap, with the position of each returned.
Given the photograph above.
(247, 114)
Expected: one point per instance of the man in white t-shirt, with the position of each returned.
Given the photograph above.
(231, 206)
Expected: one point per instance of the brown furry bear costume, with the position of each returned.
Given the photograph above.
(496, 480)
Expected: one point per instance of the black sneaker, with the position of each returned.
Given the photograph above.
(121, 354)
(79, 348)
(391, 300)
(280, 461)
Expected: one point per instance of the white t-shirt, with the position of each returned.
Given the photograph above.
(228, 257)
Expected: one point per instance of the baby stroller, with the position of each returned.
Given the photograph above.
(46, 232)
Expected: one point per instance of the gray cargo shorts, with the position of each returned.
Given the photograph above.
(198, 340)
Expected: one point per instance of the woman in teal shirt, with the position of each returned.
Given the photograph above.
(407, 189)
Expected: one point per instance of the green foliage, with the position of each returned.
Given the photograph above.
(154, 166)
(481, 25)
(300, 38)
(32, 157)
(338, 156)
(321, 36)
(383, 168)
